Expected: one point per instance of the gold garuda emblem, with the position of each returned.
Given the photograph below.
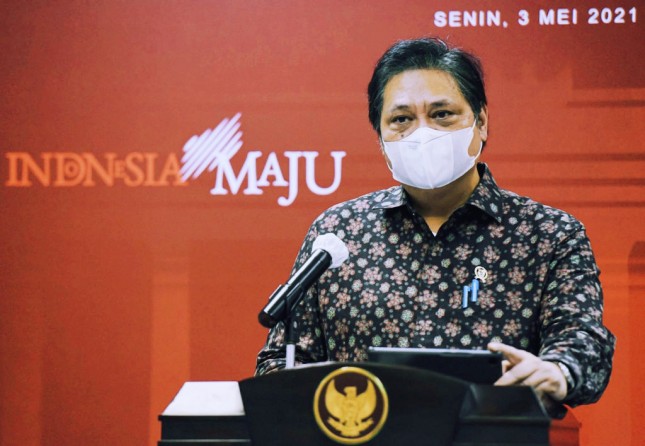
(350, 405)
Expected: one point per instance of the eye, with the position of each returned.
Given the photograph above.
(401, 119)
(442, 114)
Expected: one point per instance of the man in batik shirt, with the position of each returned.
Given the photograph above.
(417, 250)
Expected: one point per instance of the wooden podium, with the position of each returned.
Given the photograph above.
(422, 408)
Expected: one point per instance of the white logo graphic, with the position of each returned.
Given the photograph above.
(215, 148)
(211, 148)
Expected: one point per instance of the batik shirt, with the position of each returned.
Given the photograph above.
(403, 286)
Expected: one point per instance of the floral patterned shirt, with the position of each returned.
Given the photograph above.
(404, 286)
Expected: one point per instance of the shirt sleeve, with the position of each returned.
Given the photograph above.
(310, 345)
(572, 330)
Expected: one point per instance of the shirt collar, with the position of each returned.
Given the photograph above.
(486, 196)
(393, 197)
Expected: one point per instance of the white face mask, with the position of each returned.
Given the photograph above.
(430, 158)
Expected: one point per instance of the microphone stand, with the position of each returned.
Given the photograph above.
(290, 346)
(291, 335)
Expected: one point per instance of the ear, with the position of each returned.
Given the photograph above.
(482, 123)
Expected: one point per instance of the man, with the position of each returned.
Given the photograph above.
(448, 259)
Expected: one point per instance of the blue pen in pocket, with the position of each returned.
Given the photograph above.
(471, 292)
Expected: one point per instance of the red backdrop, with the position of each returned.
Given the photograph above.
(119, 281)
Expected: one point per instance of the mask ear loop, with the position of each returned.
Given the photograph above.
(388, 163)
(481, 143)
(479, 152)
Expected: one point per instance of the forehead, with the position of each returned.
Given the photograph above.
(415, 87)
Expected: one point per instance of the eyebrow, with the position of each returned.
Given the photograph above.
(439, 103)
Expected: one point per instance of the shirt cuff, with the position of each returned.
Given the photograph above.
(571, 383)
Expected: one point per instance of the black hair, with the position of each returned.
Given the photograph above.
(432, 54)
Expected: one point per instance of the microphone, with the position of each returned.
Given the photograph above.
(328, 251)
